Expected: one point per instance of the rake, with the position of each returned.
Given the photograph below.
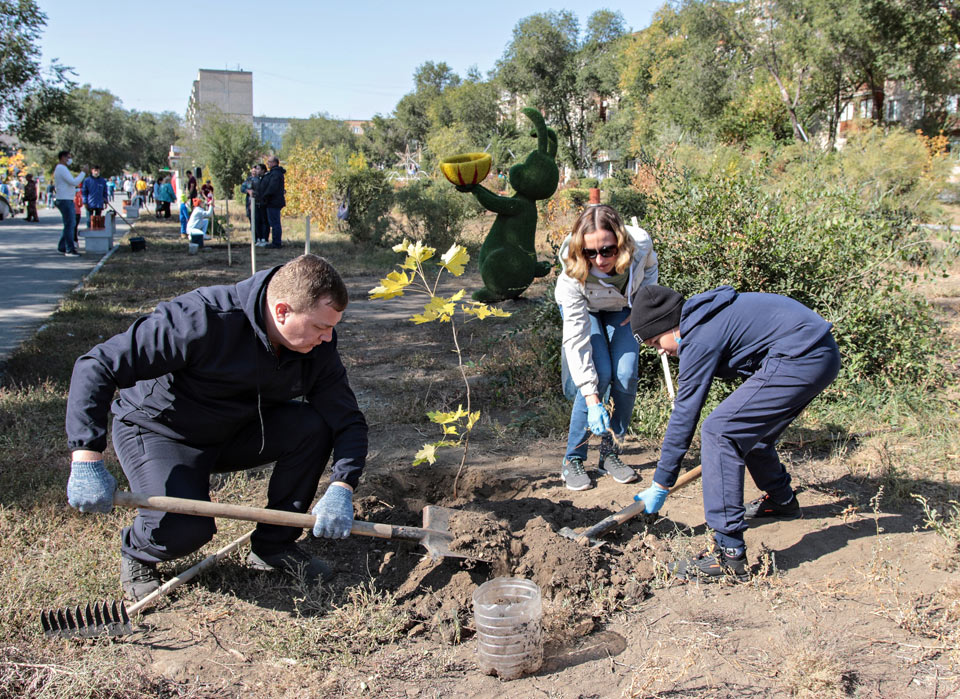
(113, 619)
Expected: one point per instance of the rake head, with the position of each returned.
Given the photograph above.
(99, 619)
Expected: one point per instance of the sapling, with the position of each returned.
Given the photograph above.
(456, 425)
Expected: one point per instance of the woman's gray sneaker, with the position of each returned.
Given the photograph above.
(573, 474)
(619, 471)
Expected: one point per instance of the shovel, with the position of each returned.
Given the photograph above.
(113, 619)
(589, 536)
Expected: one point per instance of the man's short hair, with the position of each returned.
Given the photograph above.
(62, 153)
(94, 167)
(273, 159)
(305, 281)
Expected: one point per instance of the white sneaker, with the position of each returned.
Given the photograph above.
(260, 244)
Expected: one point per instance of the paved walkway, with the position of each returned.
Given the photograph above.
(34, 276)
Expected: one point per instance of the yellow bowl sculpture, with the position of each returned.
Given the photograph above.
(468, 168)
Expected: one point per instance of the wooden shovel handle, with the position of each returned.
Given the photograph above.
(203, 508)
(634, 509)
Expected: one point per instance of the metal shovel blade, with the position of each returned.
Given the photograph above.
(97, 619)
(436, 520)
(571, 534)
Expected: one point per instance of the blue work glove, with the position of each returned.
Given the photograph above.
(334, 512)
(597, 419)
(90, 487)
(653, 498)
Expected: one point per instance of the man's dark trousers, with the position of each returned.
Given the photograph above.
(743, 430)
(273, 220)
(294, 435)
(262, 230)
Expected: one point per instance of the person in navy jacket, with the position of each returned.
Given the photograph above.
(787, 356)
(223, 378)
(94, 191)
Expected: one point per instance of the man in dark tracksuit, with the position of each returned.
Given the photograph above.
(271, 195)
(788, 356)
(223, 378)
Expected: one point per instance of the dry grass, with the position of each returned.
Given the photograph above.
(266, 636)
(812, 667)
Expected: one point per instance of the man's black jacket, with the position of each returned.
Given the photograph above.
(200, 367)
(271, 190)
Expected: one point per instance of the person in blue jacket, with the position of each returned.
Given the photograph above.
(787, 356)
(223, 378)
(94, 191)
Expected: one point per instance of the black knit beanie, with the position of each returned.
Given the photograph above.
(656, 310)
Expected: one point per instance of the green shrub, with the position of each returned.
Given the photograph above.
(589, 183)
(629, 202)
(895, 171)
(370, 199)
(818, 245)
(435, 212)
(576, 196)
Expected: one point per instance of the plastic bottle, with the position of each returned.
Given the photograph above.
(507, 614)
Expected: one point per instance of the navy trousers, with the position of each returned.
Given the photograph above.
(273, 222)
(742, 431)
(294, 435)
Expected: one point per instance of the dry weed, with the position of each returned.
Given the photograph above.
(813, 667)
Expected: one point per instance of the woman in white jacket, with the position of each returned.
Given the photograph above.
(604, 262)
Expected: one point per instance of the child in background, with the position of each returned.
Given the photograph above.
(78, 206)
(184, 214)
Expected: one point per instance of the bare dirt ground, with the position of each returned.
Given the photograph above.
(855, 599)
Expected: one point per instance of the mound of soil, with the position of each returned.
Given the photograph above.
(508, 529)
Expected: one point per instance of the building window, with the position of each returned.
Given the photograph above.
(866, 108)
(893, 110)
(847, 113)
(953, 104)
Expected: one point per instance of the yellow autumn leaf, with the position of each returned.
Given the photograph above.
(455, 259)
(457, 296)
(443, 418)
(422, 318)
(437, 308)
(482, 310)
(402, 247)
(417, 253)
(390, 286)
(426, 455)
(450, 429)
(473, 420)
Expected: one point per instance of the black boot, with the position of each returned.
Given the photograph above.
(711, 566)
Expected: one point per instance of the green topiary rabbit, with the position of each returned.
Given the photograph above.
(508, 259)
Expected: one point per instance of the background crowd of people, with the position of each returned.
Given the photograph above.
(264, 190)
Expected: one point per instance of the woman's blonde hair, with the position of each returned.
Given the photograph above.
(595, 218)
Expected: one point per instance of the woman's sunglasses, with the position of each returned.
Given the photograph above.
(605, 251)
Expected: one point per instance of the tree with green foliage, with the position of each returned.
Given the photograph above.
(149, 137)
(229, 147)
(564, 75)
(29, 99)
(321, 129)
(381, 140)
(100, 131)
(676, 76)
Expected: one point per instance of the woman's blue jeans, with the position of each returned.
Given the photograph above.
(69, 214)
(615, 355)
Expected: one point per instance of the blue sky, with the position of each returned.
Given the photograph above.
(349, 59)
